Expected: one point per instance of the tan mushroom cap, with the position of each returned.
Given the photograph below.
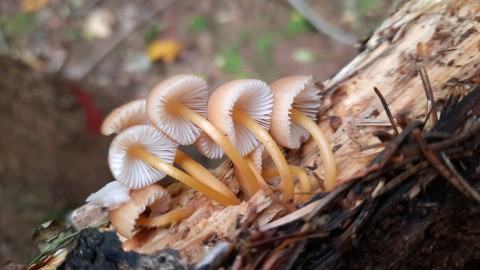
(130, 171)
(300, 92)
(189, 90)
(123, 218)
(251, 96)
(130, 114)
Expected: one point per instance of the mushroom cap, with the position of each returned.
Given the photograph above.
(301, 93)
(208, 147)
(189, 90)
(130, 114)
(130, 171)
(123, 218)
(112, 195)
(251, 96)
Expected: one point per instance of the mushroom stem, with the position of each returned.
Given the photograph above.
(287, 184)
(303, 179)
(248, 183)
(142, 154)
(199, 172)
(173, 216)
(326, 152)
(258, 175)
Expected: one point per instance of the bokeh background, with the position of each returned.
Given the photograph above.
(82, 58)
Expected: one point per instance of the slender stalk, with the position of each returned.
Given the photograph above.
(173, 216)
(142, 154)
(326, 152)
(248, 183)
(287, 184)
(199, 172)
(303, 179)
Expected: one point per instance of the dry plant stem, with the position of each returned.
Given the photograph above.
(173, 216)
(248, 183)
(142, 154)
(199, 172)
(287, 184)
(303, 179)
(329, 166)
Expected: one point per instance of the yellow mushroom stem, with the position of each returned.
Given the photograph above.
(248, 183)
(174, 216)
(154, 161)
(329, 167)
(287, 184)
(303, 179)
(258, 175)
(199, 172)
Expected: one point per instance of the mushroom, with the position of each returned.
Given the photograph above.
(295, 108)
(241, 110)
(112, 195)
(123, 218)
(255, 161)
(177, 106)
(141, 155)
(132, 114)
(305, 186)
(127, 115)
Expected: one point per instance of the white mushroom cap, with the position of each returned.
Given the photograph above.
(253, 97)
(301, 93)
(189, 90)
(112, 195)
(130, 114)
(130, 171)
(123, 218)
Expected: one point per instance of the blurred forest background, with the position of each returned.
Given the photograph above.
(83, 58)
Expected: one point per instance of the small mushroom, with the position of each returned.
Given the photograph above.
(127, 115)
(123, 218)
(141, 155)
(297, 102)
(241, 110)
(112, 195)
(132, 114)
(177, 106)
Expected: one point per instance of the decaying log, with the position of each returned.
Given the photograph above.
(413, 194)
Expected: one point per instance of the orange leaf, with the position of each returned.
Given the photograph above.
(166, 50)
(33, 5)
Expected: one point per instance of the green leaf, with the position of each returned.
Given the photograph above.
(265, 42)
(297, 25)
(152, 31)
(233, 61)
(17, 24)
(303, 55)
(198, 24)
(365, 6)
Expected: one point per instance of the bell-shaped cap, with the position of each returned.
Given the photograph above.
(251, 96)
(188, 90)
(131, 171)
(301, 93)
(123, 218)
(112, 195)
(130, 114)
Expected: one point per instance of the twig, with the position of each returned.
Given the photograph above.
(322, 24)
(429, 92)
(387, 110)
(473, 192)
(460, 184)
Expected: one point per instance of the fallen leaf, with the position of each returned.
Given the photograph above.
(166, 50)
(33, 5)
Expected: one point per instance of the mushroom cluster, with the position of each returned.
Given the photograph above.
(240, 119)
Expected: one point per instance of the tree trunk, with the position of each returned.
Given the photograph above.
(442, 37)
